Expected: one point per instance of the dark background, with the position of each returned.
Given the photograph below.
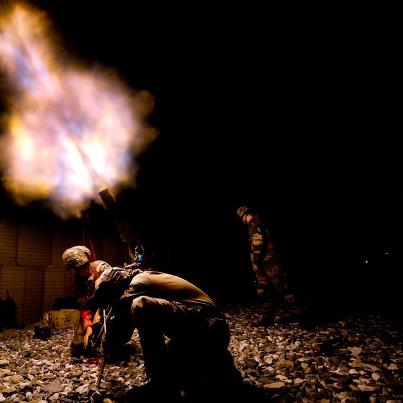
(294, 111)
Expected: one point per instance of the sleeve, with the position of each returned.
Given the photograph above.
(257, 250)
(109, 287)
(86, 318)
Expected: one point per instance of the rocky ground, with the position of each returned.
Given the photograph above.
(351, 359)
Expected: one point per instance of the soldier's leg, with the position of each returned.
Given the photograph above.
(150, 316)
(198, 341)
(119, 331)
(201, 353)
(285, 297)
(77, 344)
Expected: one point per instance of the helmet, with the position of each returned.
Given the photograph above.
(76, 256)
(241, 211)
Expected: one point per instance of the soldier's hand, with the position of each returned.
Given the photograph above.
(260, 292)
(87, 335)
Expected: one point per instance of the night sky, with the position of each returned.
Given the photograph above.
(296, 112)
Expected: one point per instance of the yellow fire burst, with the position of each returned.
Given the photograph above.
(70, 130)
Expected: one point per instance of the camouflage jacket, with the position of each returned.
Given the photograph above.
(261, 249)
(111, 285)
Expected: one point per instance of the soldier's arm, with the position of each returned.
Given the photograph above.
(262, 279)
(257, 250)
(107, 289)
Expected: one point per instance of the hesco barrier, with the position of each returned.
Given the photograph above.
(31, 269)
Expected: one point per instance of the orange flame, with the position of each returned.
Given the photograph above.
(70, 130)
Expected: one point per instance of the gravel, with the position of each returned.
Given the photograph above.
(354, 359)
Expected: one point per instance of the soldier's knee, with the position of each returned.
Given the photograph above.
(143, 307)
(141, 303)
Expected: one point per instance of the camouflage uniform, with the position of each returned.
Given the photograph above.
(77, 258)
(270, 277)
(158, 305)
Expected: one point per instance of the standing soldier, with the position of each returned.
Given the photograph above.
(271, 279)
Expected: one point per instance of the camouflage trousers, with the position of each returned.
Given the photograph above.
(272, 281)
(198, 338)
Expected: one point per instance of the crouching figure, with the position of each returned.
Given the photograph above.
(183, 334)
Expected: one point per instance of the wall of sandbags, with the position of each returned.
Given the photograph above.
(31, 268)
